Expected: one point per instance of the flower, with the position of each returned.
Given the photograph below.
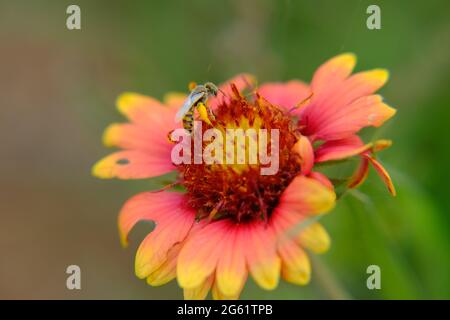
(231, 221)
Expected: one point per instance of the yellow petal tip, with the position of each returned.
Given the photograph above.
(380, 76)
(110, 135)
(126, 100)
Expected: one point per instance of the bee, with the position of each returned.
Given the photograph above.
(197, 100)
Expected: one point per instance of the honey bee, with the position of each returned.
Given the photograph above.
(197, 100)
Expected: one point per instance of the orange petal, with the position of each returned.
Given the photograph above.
(383, 174)
(199, 256)
(306, 196)
(231, 272)
(200, 292)
(304, 149)
(285, 95)
(132, 164)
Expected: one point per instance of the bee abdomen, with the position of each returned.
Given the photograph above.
(188, 121)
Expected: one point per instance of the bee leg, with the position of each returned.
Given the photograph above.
(169, 136)
(203, 112)
(211, 114)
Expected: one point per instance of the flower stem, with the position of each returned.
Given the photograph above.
(328, 283)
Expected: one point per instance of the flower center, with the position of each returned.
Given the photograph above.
(238, 189)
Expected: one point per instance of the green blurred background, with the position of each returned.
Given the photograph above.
(58, 89)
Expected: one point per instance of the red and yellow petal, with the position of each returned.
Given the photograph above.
(307, 196)
(132, 164)
(217, 294)
(231, 272)
(144, 110)
(137, 137)
(340, 149)
(315, 238)
(168, 269)
(348, 147)
(154, 250)
(363, 112)
(199, 256)
(242, 82)
(295, 266)
(150, 207)
(323, 179)
(201, 291)
(262, 259)
(360, 174)
(343, 104)
(174, 100)
(286, 95)
(333, 72)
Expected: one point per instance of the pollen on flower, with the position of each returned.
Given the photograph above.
(239, 191)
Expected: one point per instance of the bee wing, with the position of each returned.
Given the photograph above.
(191, 100)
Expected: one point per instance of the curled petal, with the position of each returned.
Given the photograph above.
(305, 152)
(383, 174)
(380, 145)
(360, 174)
